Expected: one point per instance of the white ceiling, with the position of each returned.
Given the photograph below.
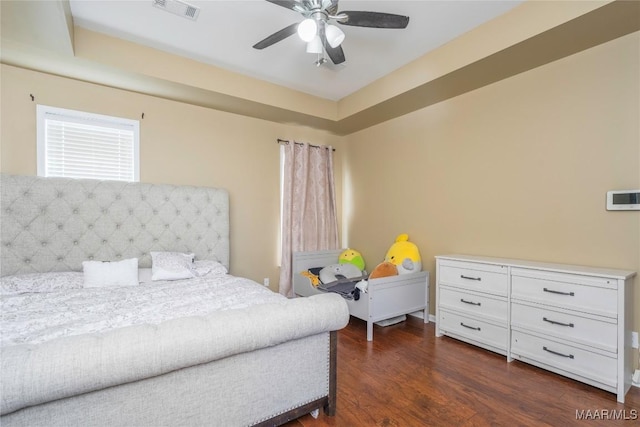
(225, 32)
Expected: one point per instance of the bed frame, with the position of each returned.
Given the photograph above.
(53, 224)
(386, 297)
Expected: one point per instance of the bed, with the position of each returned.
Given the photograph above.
(386, 297)
(213, 349)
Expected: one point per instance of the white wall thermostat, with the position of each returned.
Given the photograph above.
(623, 200)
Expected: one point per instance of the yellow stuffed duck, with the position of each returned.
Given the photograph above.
(404, 255)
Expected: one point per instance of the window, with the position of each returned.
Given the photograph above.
(75, 144)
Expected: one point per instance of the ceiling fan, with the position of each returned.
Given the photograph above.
(318, 31)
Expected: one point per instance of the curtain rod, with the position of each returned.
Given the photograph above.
(284, 141)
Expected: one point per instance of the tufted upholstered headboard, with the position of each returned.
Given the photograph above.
(53, 224)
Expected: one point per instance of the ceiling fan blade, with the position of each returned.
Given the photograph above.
(289, 4)
(277, 36)
(373, 19)
(335, 53)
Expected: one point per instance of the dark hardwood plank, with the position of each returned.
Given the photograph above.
(407, 377)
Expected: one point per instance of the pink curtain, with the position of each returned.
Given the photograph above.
(309, 219)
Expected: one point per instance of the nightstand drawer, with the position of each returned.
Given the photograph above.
(580, 362)
(474, 304)
(566, 326)
(572, 296)
(482, 278)
(473, 329)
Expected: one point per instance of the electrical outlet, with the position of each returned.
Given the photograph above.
(266, 283)
(634, 339)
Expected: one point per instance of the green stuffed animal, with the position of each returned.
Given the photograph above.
(351, 256)
(404, 255)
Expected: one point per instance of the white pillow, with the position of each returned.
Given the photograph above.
(172, 266)
(98, 274)
(207, 267)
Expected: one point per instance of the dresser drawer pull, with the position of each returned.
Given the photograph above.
(553, 322)
(570, 356)
(471, 278)
(551, 291)
(469, 327)
(470, 302)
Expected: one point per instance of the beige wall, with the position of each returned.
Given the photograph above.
(180, 144)
(517, 169)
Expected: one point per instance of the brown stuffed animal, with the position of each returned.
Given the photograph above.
(384, 269)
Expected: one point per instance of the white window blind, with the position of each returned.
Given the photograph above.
(76, 144)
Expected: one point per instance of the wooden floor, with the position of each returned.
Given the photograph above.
(407, 377)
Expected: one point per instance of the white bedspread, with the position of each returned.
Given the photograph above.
(38, 317)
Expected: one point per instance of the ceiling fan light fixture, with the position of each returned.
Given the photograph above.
(307, 30)
(335, 36)
(315, 45)
(317, 15)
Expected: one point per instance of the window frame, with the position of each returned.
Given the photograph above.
(43, 112)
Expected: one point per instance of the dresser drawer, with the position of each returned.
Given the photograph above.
(573, 296)
(473, 329)
(562, 356)
(566, 326)
(480, 277)
(487, 307)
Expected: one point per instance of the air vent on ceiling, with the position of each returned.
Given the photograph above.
(179, 8)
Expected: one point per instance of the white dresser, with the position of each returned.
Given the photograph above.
(575, 321)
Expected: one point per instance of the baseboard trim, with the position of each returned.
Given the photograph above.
(420, 315)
